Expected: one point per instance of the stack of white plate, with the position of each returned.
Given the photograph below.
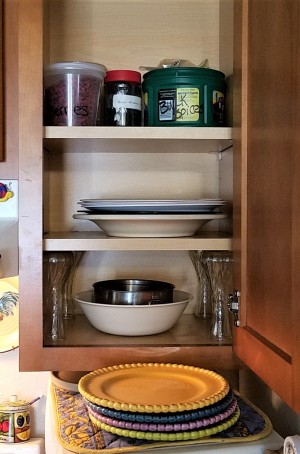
(203, 206)
(150, 218)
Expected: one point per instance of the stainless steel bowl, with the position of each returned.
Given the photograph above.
(133, 292)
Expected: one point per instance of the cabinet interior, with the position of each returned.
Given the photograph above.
(140, 163)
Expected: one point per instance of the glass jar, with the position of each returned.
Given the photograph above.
(122, 98)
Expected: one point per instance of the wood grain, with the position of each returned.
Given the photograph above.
(268, 193)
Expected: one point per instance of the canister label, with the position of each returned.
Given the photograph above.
(179, 104)
(218, 106)
(167, 105)
(127, 102)
(14, 426)
(188, 104)
(7, 428)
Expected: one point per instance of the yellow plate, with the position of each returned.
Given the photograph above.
(153, 387)
(9, 314)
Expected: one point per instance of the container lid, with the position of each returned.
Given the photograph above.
(95, 69)
(119, 75)
(14, 405)
(183, 72)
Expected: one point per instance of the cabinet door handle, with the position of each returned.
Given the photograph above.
(233, 306)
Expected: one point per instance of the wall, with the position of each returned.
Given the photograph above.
(27, 386)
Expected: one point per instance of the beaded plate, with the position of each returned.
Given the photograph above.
(164, 418)
(76, 433)
(169, 436)
(153, 387)
(159, 427)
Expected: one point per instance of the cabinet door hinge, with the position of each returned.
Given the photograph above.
(233, 306)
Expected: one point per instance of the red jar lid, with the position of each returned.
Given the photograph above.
(124, 75)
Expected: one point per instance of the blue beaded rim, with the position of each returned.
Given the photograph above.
(164, 418)
(168, 427)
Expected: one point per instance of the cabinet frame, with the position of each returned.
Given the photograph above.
(33, 355)
(279, 369)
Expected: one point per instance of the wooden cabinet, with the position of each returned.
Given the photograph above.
(9, 90)
(58, 166)
(266, 234)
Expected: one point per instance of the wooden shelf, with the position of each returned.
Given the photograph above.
(188, 331)
(94, 241)
(135, 132)
(93, 139)
(189, 341)
(213, 357)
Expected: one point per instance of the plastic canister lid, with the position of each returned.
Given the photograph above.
(119, 75)
(178, 72)
(94, 69)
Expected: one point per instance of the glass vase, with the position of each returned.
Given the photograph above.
(57, 266)
(203, 306)
(219, 266)
(68, 308)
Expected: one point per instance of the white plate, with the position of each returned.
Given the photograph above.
(153, 209)
(150, 225)
(166, 206)
(9, 314)
(151, 201)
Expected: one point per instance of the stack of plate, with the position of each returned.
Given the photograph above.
(203, 206)
(150, 218)
(159, 402)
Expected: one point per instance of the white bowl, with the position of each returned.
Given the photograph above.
(132, 320)
(150, 225)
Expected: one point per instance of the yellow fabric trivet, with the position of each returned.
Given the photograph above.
(75, 428)
(76, 433)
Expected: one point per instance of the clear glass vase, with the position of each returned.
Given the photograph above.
(57, 266)
(203, 306)
(219, 266)
(68, 308)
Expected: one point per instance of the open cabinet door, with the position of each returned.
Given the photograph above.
(267, 191)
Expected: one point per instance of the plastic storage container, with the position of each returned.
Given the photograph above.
(123, 98)
(72, 93)
(184, 97)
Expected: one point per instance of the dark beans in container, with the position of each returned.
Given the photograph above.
(72, 91)
(122, 98)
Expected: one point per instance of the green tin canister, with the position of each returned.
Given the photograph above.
(184, 97)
